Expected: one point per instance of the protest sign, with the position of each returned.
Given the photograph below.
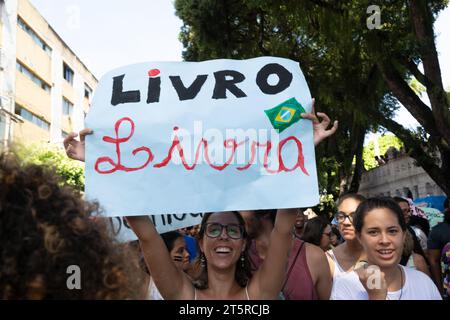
(163, 223)
(217, 135)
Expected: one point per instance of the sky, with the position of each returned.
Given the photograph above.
(105, 34)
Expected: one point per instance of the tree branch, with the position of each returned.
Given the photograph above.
(261, 34)
(417, 151)
(407, 97)
(327, 5)
(422, 20)
(412, 67)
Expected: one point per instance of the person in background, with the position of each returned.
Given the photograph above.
(381, 229)
(300, 222)
(307, 276)
(318, 232)
(176, 246)
(346, 256)
(52, 243)
(191, 243)
(407, 210)
(415, 260)
(335, 237)
(421, 228)
(439, 237)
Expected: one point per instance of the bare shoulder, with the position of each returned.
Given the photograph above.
(314, 253)
(339, 250)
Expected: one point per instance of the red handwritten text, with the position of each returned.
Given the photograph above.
(176, 146)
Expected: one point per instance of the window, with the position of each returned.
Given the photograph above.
(68, 73)
(30, 75)
(34, 36)
(27, 115)
(87, 91)
(67, 107)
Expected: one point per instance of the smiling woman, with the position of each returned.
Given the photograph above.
(221, 252)
(380, 227)
(223, 269)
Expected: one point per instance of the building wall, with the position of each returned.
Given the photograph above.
(8, 21)
(44, 67)
(396, 177)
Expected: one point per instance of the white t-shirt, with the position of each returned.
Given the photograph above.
(418, 286)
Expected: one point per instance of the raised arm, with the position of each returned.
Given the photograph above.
(320, 130)
(268, 280)
(172, 283)
(75, 149)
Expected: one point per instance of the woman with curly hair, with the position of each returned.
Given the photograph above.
(47, 230)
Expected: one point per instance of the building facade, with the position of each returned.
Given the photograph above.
(396, 178)
(45, 89)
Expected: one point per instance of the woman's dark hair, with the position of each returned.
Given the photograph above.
(350, 195)
(169, 238)
(45, 228)
(243, 271)
(420, 222)
(377, 203)
(336, 233)
(313, 230)
(269, 214)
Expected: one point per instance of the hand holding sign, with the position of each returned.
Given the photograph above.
(199, 137)
(320, 127)
(76, 149)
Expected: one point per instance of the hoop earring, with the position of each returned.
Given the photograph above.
(203, 261)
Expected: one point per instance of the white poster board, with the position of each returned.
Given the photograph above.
(217, 135)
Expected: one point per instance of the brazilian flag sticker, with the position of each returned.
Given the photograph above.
(285, 114)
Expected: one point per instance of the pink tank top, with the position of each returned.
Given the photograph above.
(299, 284)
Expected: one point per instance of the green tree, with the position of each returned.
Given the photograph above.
(384, 142)
(358, 75)
(71, 171)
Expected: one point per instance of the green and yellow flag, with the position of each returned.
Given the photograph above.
(285, 114)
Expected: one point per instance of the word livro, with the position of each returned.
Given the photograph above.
(225, 80)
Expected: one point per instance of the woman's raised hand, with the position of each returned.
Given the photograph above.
(75, 149)
(320, 127)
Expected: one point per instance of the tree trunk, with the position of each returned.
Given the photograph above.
(416, 150)
(422, 20)
(358, 169)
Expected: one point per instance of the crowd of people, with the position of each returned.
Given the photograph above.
(379, 248)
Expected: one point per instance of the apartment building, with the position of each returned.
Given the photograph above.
(45, 89)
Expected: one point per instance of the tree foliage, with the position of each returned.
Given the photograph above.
(71, 171)
(385, 142)
(358, 75)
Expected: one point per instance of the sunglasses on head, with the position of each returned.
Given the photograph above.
(214, 230)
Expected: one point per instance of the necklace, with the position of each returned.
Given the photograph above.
(401, 285)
